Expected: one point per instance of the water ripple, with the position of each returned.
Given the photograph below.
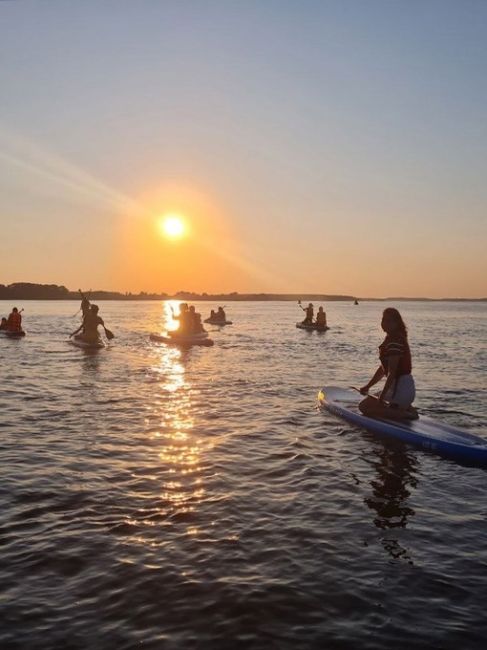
(153, 498)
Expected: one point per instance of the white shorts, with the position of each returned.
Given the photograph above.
(404, 393)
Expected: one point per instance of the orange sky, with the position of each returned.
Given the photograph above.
(334, 150)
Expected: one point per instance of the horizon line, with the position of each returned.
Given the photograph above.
(205, 295)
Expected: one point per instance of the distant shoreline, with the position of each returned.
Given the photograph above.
(31, 291)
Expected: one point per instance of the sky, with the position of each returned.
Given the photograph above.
(325, 146)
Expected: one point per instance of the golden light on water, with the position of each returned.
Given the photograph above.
(172, 226)
(171, 311)
(178, 446)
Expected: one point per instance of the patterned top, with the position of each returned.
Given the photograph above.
(396, 345)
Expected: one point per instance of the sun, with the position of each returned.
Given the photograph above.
(172, 226)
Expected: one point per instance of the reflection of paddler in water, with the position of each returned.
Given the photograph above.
(395, 468)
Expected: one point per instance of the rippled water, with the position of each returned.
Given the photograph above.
(153, 498)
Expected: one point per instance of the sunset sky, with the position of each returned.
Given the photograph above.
(329, 146)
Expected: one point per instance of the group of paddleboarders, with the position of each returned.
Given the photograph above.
(189, 321)
(218, 316)
(396, 398)
(13, 323)
(308, 319)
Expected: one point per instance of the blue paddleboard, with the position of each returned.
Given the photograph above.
(424, 432)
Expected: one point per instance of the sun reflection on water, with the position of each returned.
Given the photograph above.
(172, 429)
(171, 309)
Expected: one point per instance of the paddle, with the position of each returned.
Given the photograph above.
(83, 297)
(110, 335)
(357, 389)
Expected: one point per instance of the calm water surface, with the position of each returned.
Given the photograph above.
(153, 498)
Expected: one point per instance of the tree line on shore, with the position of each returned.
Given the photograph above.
(32, 291)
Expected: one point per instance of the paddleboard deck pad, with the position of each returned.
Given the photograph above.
(440, 438)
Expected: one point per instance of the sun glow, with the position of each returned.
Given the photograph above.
(172, 226)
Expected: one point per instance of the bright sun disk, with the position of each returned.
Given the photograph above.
(172, 226)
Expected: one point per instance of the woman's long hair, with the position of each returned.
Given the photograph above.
(394, 313)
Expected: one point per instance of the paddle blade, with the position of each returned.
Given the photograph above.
(109, 335)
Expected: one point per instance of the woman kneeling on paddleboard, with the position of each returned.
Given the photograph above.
(396, 398)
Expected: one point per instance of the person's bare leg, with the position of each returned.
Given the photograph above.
(370, 405)
(400, 414)
(373, 408)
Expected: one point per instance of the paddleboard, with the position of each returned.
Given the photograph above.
(312, 327)
(84, 345)
(218, 322)
(189, 337)
(183, 341)
(424, 432)
(12, 335)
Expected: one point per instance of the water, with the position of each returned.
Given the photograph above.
(153, 498)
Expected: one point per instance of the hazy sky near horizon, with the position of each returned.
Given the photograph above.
(316, 146)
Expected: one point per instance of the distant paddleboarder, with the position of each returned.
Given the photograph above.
(89, 326)
(309, 311)
(14, 321)
(220, 315)
(85, 304)
(196, 326)
(321, 318)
